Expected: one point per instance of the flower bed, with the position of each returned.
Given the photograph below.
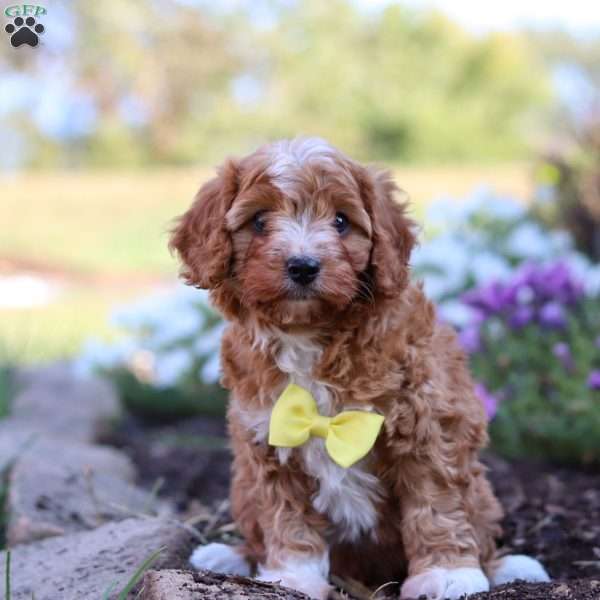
(534, 342)
(167, 365)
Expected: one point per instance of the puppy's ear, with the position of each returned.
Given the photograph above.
(200, 237)
(393, 232)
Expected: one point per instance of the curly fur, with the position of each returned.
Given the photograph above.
(365, 339)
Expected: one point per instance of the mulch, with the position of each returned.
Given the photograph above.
(552, 512)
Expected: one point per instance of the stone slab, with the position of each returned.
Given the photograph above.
(58, 487)
(206, 585)
(83, 566)
(53, 400)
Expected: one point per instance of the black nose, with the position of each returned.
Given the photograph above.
(303, 269)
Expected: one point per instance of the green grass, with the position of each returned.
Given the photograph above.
(5, 390)
(57, 330)
(5, 468)
(111, 223)
(115, 222)
(135, 578)
(102, 236)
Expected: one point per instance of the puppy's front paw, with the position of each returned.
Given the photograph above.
(306, 578)
(441, 584)
(221, 559)
(518, 566)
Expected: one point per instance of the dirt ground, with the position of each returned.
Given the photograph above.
(552, 512)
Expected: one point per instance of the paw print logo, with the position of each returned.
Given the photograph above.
(24, 31)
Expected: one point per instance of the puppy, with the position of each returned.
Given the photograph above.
(353, 420)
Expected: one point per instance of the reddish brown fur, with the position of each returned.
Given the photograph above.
(383, 347)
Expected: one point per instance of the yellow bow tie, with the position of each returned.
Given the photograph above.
(348, 436)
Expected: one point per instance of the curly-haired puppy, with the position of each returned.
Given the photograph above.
(370, 467)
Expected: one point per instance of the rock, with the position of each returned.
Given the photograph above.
(205, 585)
(576, 589)
(63, 487)
(14, 440)
(19, 443)
(85, 565)
(54, 401)
(170, 585)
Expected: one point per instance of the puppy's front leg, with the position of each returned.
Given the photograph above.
(439, 541)
(296, 554)
(272, 508)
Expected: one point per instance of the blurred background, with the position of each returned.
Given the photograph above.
(487, 114)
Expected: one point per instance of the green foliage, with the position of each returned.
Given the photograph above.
(398, 85)
(543, 380)
(559, 47)
(5, 390)
(395, 84)
(4, 472)
(167, 366)
(135, 578)
(527, 307)
(186, 399)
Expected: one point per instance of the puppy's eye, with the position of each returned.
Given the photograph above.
(341, 222)
(259, 221)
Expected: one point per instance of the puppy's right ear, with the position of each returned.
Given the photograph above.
(200, 237)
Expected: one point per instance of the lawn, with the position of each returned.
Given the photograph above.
(102, 236)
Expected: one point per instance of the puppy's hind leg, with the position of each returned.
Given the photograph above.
(220, 558)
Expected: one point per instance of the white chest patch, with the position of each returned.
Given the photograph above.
(347, 496)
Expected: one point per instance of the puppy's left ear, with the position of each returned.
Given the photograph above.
(200, 236)
(393, 232)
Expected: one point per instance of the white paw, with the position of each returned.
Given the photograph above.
(518, 566)
(441, 584)
(221, 559)
(308, 576)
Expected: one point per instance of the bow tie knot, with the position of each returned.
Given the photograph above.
(349, 436)
(320, 426)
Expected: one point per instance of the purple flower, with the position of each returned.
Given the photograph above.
(598, 342)
(562, 351)
(593, 380)
(489, 401)
(524, 294)
(556, 282)
(553, 282)
(552, 315)
(544, 292)
(490, 299)
(470, 339)
(522, 315)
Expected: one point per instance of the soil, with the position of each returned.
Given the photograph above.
(552, 512)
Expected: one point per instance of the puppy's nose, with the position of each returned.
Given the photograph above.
(303, 269)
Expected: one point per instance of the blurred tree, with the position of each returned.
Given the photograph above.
(150, 66)
(558, 47)
(172, 81)
(395, 85)
(569, 169)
